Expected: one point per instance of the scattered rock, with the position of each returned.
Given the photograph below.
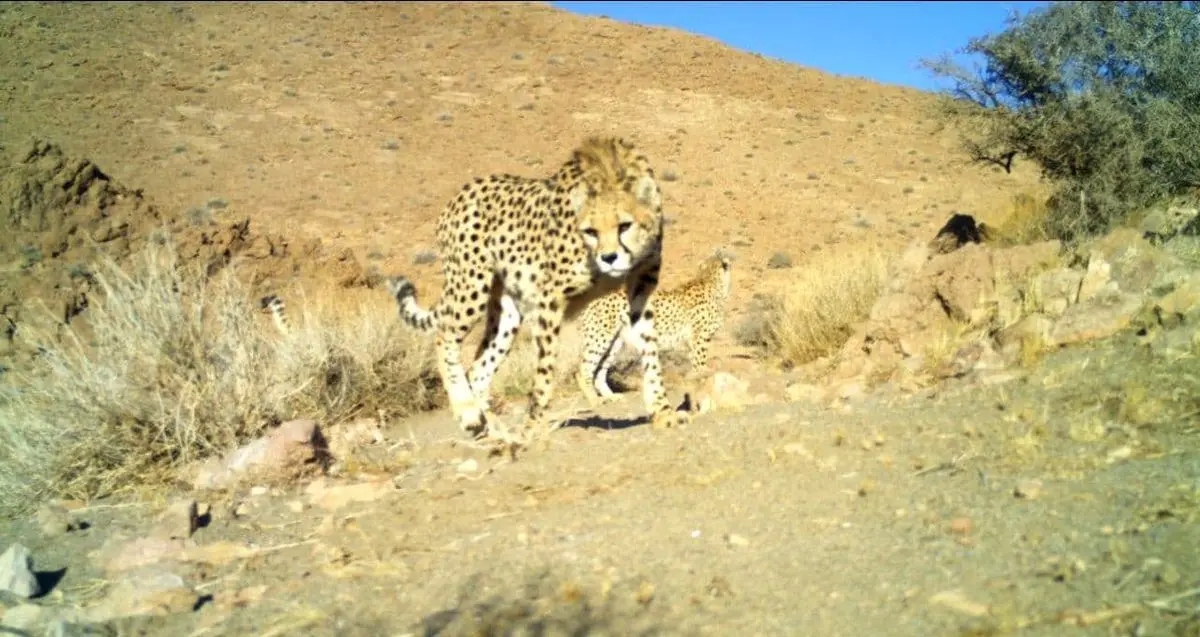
(290, 451)
(25, 618)
(120, 554)
(975, 286)
(1053, 291)
(54, 519)
(1134, 262)
(1035, 327)
(962, 526)
(470, 465)
(803, 393)
(1099, 317)
(645, 593)
(1096, 279)
(338, 496)
(148, 592)
(956, 601)
(1166, 221)
(346, 438)
(242, 598)
(178, 521)
(736, 540)
(724, 392)
(16, 572)
(1028, 489)
(1181, 305)
(797, 449)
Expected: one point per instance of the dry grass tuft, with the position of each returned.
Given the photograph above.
(1025, 221)
(817, 312)
(167, 367)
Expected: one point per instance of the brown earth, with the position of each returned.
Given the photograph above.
(254, 129)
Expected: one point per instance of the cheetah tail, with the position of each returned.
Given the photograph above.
(406, 299)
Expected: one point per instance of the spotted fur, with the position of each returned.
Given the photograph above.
(514, 247)
(690, 314)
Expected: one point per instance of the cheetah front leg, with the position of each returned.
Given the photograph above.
(546, 329)
(698, 353)
(644, 337)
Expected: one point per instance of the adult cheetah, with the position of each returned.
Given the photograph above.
(515, 246)
(689, 314)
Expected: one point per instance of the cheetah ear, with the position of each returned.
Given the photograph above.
(577, 197)
(646, 191)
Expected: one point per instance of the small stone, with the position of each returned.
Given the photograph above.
(645, 593)
(54, 520)
(336, 497)
(956, 601)
(23, 618)
(1028, 489)
(962, 526)
(296, 506)
(470, 465)
(736, 540)
(16, 572)
(797, 449)
(145, 593)
(1120, 453)
(257, 491)
(179, 521)
(121, 554)
(804, 393)
(287, 451)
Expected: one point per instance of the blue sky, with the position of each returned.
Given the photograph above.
(882, 41)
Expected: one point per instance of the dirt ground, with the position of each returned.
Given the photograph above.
(1020, 508)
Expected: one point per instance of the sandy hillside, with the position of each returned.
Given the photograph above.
(356, 123)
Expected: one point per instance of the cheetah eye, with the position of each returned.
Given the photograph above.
(591, 232)
(623, 226)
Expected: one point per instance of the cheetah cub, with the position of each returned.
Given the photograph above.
(690, 314)
(514, 247)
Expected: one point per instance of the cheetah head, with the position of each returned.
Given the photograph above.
(718, 269)
(621, 226)
(726, 273)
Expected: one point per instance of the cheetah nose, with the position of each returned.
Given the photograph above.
(609, 258)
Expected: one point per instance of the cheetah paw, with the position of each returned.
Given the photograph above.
(669, 418)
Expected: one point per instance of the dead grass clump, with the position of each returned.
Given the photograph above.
(1025, 222)
(816, 313)
(168, 366)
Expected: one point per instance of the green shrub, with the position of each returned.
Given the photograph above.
(1101, 95)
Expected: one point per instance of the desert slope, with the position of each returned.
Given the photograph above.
(355, 122)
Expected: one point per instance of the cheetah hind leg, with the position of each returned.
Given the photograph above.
(603, 390)
(593, 374)
(644, 337)
(503, 321)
